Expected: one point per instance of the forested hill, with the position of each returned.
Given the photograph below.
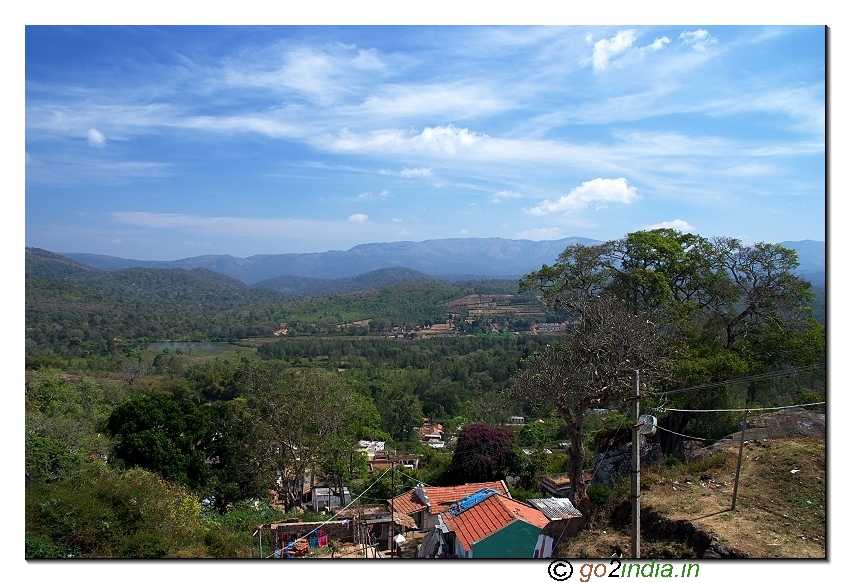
(84, 310)
(293, 284)
(78, 305)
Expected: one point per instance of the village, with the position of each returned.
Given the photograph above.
(479, 519)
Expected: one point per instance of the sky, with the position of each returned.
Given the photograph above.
(179, 141)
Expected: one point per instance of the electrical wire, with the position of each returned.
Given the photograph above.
(719, 384)
(681, 434)
(741, 410)
(332, 518)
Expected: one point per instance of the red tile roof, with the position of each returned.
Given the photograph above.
(442, 497)
(490, 515)
(408, 503)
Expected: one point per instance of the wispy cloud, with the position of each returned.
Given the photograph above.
(503, 194)
(95, 138)
(599, 190)
(699, 39)
(411, 172)
(541, 234)
(271, 228)
(677, 224)
(369, 196)
(604, 49)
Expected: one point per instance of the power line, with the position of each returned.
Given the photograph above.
(741, 410)
(763, 376)
(332, 518)
(681, 434)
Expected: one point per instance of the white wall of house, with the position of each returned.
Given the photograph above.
(543, 549)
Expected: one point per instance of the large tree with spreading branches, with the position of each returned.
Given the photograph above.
(593, 364)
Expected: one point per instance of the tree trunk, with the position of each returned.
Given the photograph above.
(576, 463)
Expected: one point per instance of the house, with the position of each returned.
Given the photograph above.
(385, 462)
(329, 498)
(425, 503)
(370, 448)
(558, 485)
(486, 525)
(564, 521)
(375, 524)
(516, 420)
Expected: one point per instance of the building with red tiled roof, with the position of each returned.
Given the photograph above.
(486, 525)
(425, 503)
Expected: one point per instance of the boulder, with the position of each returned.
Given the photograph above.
(616, 464)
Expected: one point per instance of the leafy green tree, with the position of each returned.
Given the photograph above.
(158, 433)
(731, 309)
(298, 420)
(535, 435)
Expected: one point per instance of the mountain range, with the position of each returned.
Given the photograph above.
(448, 259)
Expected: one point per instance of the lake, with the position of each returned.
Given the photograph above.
(206, 348)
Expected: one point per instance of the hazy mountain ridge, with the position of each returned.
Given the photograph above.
(455, 258)
(443, 258)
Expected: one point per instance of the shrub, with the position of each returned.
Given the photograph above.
(671, 460)
(599, 493)
(717, 460)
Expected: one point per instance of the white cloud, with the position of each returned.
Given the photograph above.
(604, 49)
(411, 172)
(659, 43)
(598, 190)
(358, 218)
(698, 39)
(385, 171)
(369, 196)
(502, 195)
(464, 232)
(398, 221)
(677, 224)
(95, 138)
(367, 59)
(448, 139)
(541, 234)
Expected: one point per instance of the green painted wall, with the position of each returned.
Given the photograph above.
(515, 541)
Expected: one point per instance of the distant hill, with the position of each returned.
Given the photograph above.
(293, 284)
(453, 259)
(465, 258)
(812, 256)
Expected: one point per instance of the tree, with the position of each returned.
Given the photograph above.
(158, 433)
(132, 370)
(482, 453)
(301, 420)
(594, 364)
(729, 308)
(535, 435)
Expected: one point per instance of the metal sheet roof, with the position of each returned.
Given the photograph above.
(555, 508)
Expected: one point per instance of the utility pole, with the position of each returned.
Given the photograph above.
(392, 511)
(635, 466)
(740, 454)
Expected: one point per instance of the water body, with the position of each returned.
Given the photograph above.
(211, 348)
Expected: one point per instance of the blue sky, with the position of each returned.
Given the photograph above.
(170, 142)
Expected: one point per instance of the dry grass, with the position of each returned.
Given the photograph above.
(778, 513)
